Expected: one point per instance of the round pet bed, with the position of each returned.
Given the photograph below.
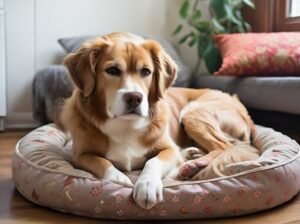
(43, 173)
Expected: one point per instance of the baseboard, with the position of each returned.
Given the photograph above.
(20, 121)
(1, 123)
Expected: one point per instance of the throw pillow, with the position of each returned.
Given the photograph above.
(259, 54)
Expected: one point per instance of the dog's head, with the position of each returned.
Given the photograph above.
(127, 73)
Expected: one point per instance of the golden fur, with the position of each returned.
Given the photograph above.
(176, 118)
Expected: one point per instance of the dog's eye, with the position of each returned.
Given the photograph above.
(145, 72)
(113, 71)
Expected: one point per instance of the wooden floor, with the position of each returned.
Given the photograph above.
(15, 209)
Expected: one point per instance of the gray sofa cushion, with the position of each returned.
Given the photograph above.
(72, 44)
(184, 75)
(280, 94)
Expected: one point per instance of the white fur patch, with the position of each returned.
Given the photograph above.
(124, 150)
(126, 157)
(114, 174)
(148, 189)
(117, 106)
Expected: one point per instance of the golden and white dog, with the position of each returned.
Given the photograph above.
(123, 116)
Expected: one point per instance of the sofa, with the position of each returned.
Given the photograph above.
(272, 101)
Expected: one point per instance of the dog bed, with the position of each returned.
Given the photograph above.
(43, 173)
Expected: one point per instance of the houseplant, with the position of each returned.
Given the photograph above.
(226, 17)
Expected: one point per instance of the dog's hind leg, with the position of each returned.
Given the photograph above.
(204, 128)
(214, 131)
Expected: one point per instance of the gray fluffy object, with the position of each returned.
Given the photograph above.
(51, 86)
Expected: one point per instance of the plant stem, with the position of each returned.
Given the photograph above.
(195, 5)
(197, 66)
(196, 2)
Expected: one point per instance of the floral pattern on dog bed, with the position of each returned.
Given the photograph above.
(43, 173)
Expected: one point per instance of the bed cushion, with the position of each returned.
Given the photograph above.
(43, 173)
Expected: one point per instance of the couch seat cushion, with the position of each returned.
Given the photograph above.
(264, 93)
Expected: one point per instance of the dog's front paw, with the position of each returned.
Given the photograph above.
(114, 174)
(148, 191)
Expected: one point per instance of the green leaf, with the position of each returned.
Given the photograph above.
(202, 43)
(238, 14)
(218, 27)
(212, 58)
(231, 16)
(240, 29)
(249, 3)
(217, 7)
(193, 40)
(178, 29)
(185, 37)
(247, 26)
(202, 26)
(184, 10)
(196, 14)
(235, 3)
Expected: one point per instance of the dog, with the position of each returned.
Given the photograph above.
(123, 116)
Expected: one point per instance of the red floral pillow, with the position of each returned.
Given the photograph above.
(259, 54)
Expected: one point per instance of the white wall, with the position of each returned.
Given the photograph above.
(96, 17)
(20, 61)
(2, 68)
(33, 27)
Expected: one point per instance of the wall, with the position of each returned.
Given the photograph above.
(2, 68)
(33, 27)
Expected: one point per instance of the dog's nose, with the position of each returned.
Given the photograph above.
(133, 99)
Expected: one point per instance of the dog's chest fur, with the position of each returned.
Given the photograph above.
(125, 151)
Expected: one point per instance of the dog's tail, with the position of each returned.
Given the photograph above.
(239, 152)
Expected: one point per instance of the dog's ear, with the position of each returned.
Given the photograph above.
(165, 69)
(82, 65)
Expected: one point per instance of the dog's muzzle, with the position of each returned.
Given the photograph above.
(133, 101)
